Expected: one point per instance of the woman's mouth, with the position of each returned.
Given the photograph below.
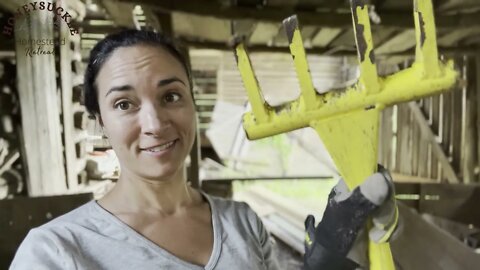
(160, 148)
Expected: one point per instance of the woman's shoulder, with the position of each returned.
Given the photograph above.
(229, 206)
(81, 215)
(45, 245)
(235, 213)
(85, 219)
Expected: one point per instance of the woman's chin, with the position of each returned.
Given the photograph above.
(165, 173)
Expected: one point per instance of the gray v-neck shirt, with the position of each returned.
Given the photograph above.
(90, 237)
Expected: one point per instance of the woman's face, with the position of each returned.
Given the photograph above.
(147, 110)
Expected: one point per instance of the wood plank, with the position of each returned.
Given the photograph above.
(165, 22)
(427, 249)
(208, 28)
(381, 140)
(450, 5)
(325, 36)
(457, 125)
(282, 3)
(264, 32)
(76, 8)
(429, 136)
(427, 112)
(243, 28)
(409, 142)
(402, 147)
(345, 39)
(477, 68)
(385, 146)
(280, 39)
(389, 137)
(308, 33)
(470, 143)
(193, 171)
(402, 178)
(382, 35)
(446, 126)
(66, 86)
(423, 155)
(399, 43)
(456, 35)
(151, 19)
(435, 122)
(120, 13)
(415, 148)
(472, 40)
(40, 111)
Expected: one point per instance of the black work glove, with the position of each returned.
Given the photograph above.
(326, 246)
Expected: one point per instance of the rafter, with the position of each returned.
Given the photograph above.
(324, 19)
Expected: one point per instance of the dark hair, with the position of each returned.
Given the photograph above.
(126, 38)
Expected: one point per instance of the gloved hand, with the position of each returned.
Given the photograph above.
(327, 246)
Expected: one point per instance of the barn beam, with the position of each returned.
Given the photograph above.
(324, 19)
(325, 51)
(120, 13)
(39, 99)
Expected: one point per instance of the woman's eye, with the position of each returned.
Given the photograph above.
(172, 97)
(123, 105)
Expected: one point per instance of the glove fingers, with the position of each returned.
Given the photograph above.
(340, 191)
(375, 188)
(385, 219)
(385, 214)
(382, 232)
(309, 231)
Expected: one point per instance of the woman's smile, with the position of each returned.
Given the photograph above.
(161, 149)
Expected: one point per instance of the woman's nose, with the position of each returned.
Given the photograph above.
(153, 119)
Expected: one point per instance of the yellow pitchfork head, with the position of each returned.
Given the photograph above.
(427, 76)
(347, 119)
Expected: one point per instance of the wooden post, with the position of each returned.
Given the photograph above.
(477, 138)
(469, 142)
(193, 172)
(194, 168)
(66, 85)
(39, 106)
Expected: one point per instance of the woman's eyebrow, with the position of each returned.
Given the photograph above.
(119, 88)
(169, 81)
(160, 83)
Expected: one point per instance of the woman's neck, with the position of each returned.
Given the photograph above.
(136, 194)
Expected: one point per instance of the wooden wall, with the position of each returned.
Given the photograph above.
(437, 137)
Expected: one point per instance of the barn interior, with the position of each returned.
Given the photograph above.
(54, 157)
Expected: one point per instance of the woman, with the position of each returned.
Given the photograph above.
(139, 87)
